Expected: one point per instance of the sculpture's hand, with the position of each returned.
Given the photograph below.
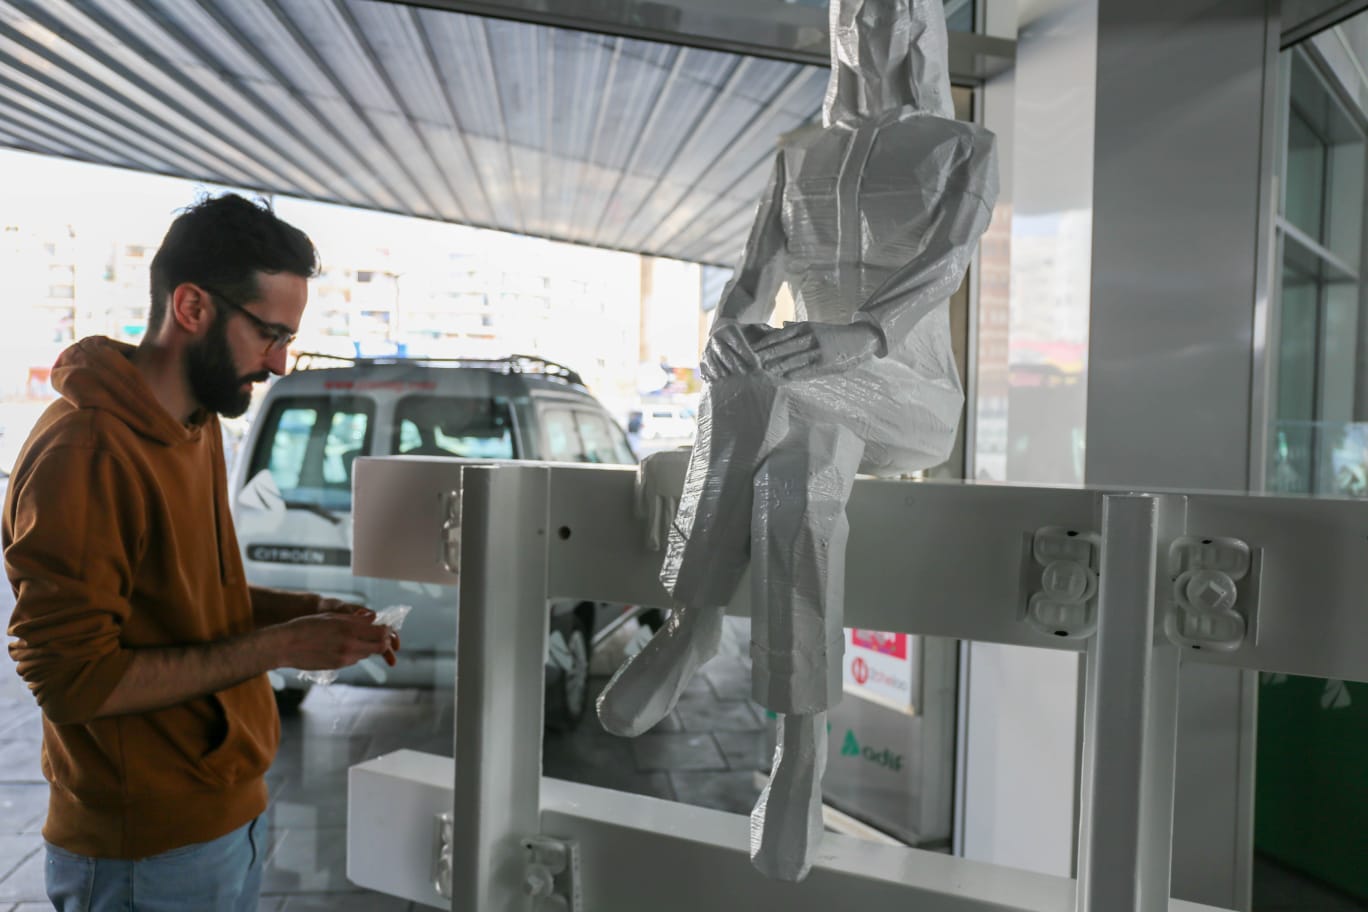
(657, 493)
(730, 349)
(802, 351)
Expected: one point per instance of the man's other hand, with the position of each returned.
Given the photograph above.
(334, 639)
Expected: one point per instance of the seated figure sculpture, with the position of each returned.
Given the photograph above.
(871, 219)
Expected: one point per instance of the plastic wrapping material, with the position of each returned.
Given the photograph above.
(391, 617)
(871, 220)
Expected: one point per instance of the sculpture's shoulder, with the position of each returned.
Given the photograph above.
(901, 143)
(953, 146)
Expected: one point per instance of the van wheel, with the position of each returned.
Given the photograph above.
(289, 698)
(567, 676)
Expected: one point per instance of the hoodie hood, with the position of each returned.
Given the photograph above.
(98, 373)
(886, 55)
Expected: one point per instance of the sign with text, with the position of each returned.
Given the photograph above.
(882, 667)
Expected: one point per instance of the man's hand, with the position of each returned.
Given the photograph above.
(337, 606)
(802, 351)
(730, 349)
(333, 639)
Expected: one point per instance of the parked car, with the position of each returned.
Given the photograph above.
(292, 494)
(664, 421)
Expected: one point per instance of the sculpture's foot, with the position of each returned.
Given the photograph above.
(646, 688)
(786, 824)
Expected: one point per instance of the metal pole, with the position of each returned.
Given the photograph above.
(1130, 716)
(500, 649)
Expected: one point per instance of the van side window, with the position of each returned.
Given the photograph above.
(598, 436)
(468, 426)
(309, 444)
(562, 440)
(288, 443)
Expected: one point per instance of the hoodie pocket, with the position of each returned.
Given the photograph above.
(219, 740)
(250, 735)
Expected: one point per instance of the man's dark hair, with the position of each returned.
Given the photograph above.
(223, 242)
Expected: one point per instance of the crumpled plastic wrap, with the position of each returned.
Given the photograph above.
(871, 221)
(391, 617)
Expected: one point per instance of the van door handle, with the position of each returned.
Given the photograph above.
(449, 541)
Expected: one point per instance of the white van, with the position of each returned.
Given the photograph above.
(291, 491)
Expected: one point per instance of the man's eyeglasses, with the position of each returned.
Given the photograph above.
(278, 336)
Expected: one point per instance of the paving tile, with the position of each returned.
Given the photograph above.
(736, 634)
(21, 720)
(603, 760)
(734, 792)
(730, 678)
(318, 761)
(744, 750)
(310, 808)
(564, 755)
(681, 751)
(20, 761)
(367, 901)
(705, 713)
(697, 687)
(308, 860)
(413, 719)
(23, 808)
(24, 880)
(14, 849)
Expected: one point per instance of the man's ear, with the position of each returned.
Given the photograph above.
(191, 308)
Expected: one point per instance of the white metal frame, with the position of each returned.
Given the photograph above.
(949, 560)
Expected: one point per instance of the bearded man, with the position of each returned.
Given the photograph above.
(134, 625)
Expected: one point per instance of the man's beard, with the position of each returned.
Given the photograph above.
(214, 380)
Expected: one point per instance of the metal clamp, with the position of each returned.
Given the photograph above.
(551, 876)
(449, 540)
(1205, 572)
(441, 866)
(1066, 603)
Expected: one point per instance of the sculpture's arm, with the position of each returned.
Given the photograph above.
(748, 299)
(926, 280)
(749, 296)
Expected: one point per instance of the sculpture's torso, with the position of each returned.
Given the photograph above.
(859, 201)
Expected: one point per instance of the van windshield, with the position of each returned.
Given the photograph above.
(469, 426)
(309, 444)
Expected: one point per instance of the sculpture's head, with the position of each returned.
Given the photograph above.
(886, 54)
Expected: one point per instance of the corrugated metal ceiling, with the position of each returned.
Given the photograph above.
(615, 142)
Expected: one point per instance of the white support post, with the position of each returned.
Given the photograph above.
(500, 651)
(1130, 716)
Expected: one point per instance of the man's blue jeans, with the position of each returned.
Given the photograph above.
(223, 875)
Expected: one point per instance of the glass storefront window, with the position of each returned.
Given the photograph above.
(1311, 754)
(1319, 411)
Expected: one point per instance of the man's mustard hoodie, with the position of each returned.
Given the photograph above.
(118, 537)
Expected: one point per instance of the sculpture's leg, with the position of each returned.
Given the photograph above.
(647, 686)
(798, 542)
(707, 553)
(786, 824)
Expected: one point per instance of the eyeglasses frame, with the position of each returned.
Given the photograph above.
(278, 336)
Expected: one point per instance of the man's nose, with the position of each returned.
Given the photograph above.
(276, 361)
